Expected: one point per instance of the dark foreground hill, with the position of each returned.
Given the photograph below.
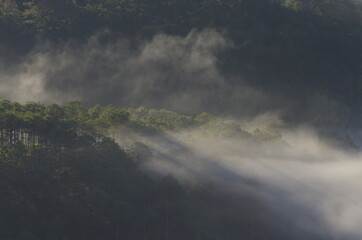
(64, 177)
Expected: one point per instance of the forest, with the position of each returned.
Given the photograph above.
(65, 176)
(180, 119)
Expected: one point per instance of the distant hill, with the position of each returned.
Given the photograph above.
(302, 51)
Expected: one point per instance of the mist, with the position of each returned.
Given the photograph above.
(311, 184)
(307, 185)
(179, 73)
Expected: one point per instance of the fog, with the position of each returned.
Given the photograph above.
(300, 177)
(175, 72)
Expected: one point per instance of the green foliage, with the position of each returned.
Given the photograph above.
(205, 123)
(214, 126)
(54, 126)
(58, 126)
(50, 16)
(159, 119)
(139, 152)
(224, 128)
(204, 118)
(63, 177)
(111, 116)
(295, 5)
(58, 178)
(10, 10)
(269, 131)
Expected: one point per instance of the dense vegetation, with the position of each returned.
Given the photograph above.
(63, 177)
(306, 51)
(57, 127)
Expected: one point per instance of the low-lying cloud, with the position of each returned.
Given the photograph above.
(313, 185)
(300, 178)
(174, 72)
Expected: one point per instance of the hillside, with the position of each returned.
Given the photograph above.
(180, 119)
(306, 53)
(63, 177)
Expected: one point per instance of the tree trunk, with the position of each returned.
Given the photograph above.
(167, 232)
